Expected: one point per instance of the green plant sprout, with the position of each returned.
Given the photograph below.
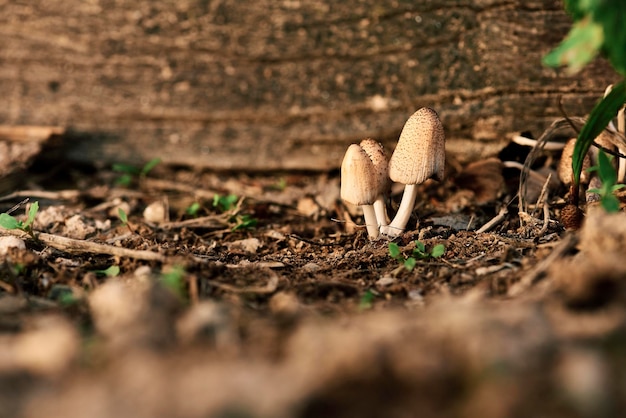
(10, 222)
(225, 203)
(419, 252)
(129, 172)
(598, 29)
(193, 209)
(243, 222)
(111, 271)
(121, 213)
(174, 279)
(229, 203)
(280, 185)
(608, 176)
(367, 300)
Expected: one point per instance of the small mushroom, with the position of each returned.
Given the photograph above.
(360, 185)
(375, 151)
(419, 155)
(565, 170)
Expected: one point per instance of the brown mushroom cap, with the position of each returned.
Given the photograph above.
(358, 178)
(420, 153)
(565, 170)
(376, 153)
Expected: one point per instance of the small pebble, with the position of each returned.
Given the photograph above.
(155, 212)
(7, 242)
(311, 267)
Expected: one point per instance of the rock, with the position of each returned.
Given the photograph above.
(7, 242)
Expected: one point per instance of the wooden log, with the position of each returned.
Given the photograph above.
(277, 85)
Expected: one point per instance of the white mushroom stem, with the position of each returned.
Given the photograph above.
(397, 225)
(369, 213)
(381, 211)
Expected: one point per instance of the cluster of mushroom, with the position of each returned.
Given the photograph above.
(366, 172)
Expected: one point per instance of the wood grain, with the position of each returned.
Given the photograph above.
(281, 85)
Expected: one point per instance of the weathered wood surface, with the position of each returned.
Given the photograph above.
(269, 84)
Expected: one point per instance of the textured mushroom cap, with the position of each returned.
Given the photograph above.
(376, 153)
(565, 170)
(420, 153)
(358, 178)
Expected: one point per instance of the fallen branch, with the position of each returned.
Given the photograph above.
(75, 246)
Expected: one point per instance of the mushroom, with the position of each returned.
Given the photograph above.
(360, 185)
(376, 153)
(419, 155)
(565, 170)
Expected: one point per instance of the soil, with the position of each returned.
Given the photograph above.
(274, 303)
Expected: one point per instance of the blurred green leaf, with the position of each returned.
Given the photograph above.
(605, 169)
(174, 279)
(394, 250)
(149, 166)
(9, 222)
(193, 209)
(123, 216)
(410, 263)
(126, 168)
(112, 271)
(579, 47)
(367, 300)
(438, 250)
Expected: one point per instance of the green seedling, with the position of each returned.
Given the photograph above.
(243, 222)
(121, 213)
(608, 176)
(112, 271)
(598, 29)
(64, 295)
(10, 222)
(193, 209)
(229, 203)
(130, 172)
(225, 203)
(280, 185)
(367, 300)
(419, 252)
(174, 280)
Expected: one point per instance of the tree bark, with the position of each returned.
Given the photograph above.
(278, 85)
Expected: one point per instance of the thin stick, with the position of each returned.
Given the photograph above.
(496, 220)
(537, 273)
(75, 246)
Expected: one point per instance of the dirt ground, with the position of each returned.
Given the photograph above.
(274, 303)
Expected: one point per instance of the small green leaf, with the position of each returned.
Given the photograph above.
(149, 166)
(193, 209)
(438, 250)
(32, 212)
(109, 272)
(175, 280)
(409, 263)
(9, 222)
(225, 203)
(367, 300)
(610, 203)
(124, 180)
(126, 168)
(394, 250)
(122, 214)
(244, 222)
(605, 169)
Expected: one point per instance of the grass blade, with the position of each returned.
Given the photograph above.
(598, 119)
